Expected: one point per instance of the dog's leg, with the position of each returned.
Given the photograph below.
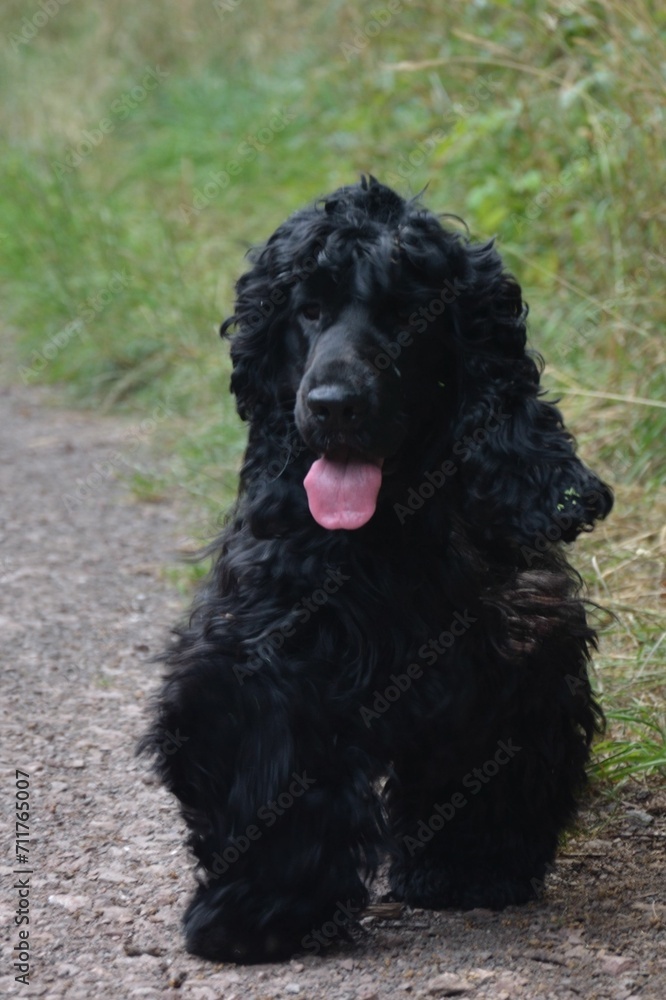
(281, 817)
(487, 834)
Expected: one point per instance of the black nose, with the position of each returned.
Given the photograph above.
(336, 407)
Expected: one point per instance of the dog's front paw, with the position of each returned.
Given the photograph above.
(217, 929)
(213, 932)
(218, 942)
(436, 887)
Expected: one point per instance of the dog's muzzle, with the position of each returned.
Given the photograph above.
(350, 429)
(348, 413)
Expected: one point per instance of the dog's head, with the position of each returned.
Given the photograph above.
(393, 343)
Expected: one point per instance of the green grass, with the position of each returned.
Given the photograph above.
(624, 756)
(539, 122)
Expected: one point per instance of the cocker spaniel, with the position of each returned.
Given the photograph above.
(389, 657)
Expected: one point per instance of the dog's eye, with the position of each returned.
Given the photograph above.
(311, 311)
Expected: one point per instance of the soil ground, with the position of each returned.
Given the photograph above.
(86, 604)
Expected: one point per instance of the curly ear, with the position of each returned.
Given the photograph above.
(262, 307)
(523, 482)
(257, 321)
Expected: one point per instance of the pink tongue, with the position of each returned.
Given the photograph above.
(342, 493)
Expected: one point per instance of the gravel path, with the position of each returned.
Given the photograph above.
(86, 605)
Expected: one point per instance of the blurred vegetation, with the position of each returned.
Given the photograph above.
(147, 145)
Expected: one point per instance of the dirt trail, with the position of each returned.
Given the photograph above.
(85, 606)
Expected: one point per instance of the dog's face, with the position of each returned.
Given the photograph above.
(352, 356)
(386, 340)
(347, 396)
(365, 316)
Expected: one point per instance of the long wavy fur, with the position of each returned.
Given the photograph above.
(470, 524)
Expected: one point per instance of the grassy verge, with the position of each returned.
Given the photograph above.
(148, 145)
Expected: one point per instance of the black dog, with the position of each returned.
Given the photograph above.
(390, 599)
